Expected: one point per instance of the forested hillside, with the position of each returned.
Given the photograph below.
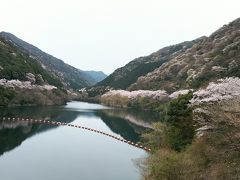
(24, 81)
(69, 76)
(127, 75)
(186, 65)
(216, 56)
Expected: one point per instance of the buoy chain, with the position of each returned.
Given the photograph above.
(56, 123)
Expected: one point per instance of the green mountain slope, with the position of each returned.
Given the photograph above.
(214, 57)
(186, 65)
(15, 65)
(23, 81)
(127, 75)
(69, 76)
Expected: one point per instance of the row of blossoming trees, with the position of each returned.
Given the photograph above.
(223, 89)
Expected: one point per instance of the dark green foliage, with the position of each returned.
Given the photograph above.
(15, 65)
(96, 91)
(132, 76)
(215, 155)
(234, 71)
(177, 125)
(181, 135)
(6, 95)
(72, 77)
(178, 108)
(203, 79)
(179, 118)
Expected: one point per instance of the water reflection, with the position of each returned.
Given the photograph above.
(12, 134)
(140, 118)
(128, 124)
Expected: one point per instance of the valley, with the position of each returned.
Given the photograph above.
(182, 101)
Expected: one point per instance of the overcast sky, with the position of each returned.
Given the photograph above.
(107, 34)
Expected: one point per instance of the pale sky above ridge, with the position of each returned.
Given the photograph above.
(107, 34)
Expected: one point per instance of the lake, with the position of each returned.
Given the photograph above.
(38, 151)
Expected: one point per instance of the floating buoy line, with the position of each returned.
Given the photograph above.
(57, 123)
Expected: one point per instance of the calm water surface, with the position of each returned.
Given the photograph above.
(42, 152)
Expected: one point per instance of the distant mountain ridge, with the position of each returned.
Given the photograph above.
(96, 75)
(125, 76)
(190, 64)
(69, 76)
(215, 57)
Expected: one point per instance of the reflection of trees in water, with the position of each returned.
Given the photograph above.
(12, 134)
(120, 126)
(139, 118)
(13, 137)
(33, 112)
(129, 125)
